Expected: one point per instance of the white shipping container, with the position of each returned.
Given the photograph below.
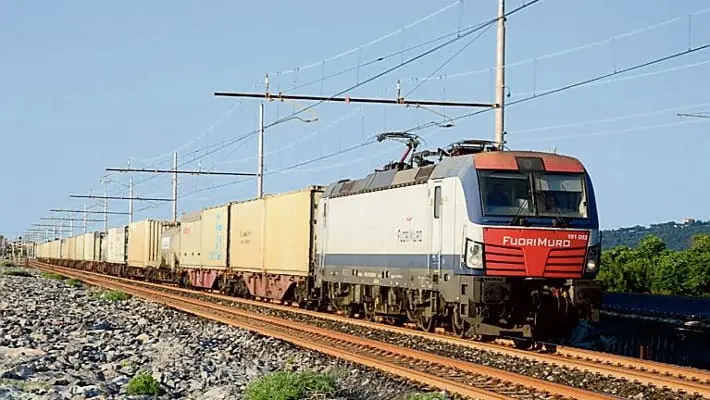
(116, 245)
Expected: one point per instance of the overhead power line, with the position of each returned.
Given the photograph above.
(564, 51)
(370, 43)
(169, 171)
(368, 143)
(91, 212)
(219, 146)
(576, 84)
(617, 131)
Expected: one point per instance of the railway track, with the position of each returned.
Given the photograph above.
(464, 379)
(671, 377)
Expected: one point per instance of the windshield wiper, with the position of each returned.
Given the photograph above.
(560, 219)
(517, 220)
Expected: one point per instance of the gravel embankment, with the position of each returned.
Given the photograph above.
(61, 342)
(566, 376)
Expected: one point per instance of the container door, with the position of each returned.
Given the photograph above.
(436, 228)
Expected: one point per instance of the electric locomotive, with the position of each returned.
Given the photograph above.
(487, 243)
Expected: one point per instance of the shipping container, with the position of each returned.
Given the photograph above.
(98, 246)
(59, 249)
(104, 249)
(190, 240)
(78, 248)
(90, 242)
(214, 232)
(144, 243)
(116, 245)
(275, 234)
(170, 247)
(69, 248)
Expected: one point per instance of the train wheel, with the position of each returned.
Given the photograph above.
(350, 310)
(458, 325)
(426, 323)
(369, 311)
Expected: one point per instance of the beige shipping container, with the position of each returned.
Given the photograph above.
(144, 243)
(70, 248)
(59, 249)
(275, 234)
(214, 232)
(116, 245)
(190, 239)
(90, 242)
(170, 247)
(78, 248)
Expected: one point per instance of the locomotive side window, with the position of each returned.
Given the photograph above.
(437, 201)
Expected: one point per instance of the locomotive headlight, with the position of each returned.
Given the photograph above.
(474, 254)
(593, 259)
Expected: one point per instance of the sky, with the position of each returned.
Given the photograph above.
(86, 86)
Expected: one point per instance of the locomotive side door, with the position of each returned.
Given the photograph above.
(436, 195)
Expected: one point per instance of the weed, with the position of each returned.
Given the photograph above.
(142, 384)
(116, 295)
(74, 283)
(290, 386)
(16, 272)
(52, 275)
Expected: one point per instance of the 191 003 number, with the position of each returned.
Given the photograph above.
(578, 236)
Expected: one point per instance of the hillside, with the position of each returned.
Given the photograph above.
(676, 235)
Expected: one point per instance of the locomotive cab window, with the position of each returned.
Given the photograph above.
(561, 195)
(508, 193)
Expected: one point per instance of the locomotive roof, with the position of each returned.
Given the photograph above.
(449, 167)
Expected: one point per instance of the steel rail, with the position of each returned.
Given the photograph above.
(685, 379)
(451, 375)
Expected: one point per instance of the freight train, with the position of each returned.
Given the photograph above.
(481, 242)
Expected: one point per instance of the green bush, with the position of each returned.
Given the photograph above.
(142, 384)
(291, 386)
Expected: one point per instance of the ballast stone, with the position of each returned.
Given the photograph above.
(70, 343)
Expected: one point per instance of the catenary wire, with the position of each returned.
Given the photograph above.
(374, 41)
(572, 85)
(483, 25)
(564, 51)
(370, 142)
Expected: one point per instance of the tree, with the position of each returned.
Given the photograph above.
(653, 268)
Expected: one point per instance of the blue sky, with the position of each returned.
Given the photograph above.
(89, 85)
